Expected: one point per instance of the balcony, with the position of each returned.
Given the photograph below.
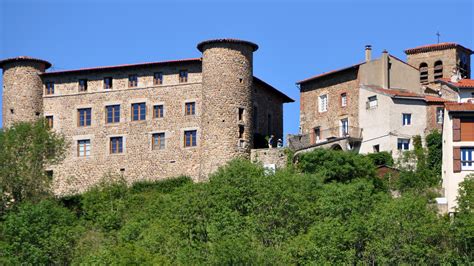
(345, 138)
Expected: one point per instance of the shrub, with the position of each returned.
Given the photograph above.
(381, 158)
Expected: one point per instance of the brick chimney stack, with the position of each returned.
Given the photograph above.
(368, 53)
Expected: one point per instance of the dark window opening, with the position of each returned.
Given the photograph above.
(132, 81)
(138, 111)
(190, 138)
(158, 111)
(84, 117)
(116, 145)
(241, 114)
(190, 108)
(423, 72)
(49, 88)
(112, 113)
(241, 131)
(158, 78)
(108, 83)
(83, 85)
(49, 121)
(438, 69)
(183, 76)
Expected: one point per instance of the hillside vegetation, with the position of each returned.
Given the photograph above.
(329, 208)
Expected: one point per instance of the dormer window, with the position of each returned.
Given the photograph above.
(423, 73)
(438, 69)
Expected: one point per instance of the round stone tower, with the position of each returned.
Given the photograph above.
(22, 89)
(227, 78)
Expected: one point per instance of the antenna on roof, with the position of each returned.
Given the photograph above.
(437, 34)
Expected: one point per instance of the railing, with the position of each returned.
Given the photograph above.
(321, 136)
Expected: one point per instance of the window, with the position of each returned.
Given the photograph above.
(344, 99)
(438, 69)
(190, 108)
(241, 131)
(138, 111)
(241, 114)
(132, 81)
(108, 83)
(439, 115)
(323, 103)
(158, 78)
(344, 130)
(84, 148)
(158, 142)
(190, 138)
(158, 111)
(84, 117)
(376, 148)
(423, 72)
(372, 102)
(317, 134)
(467, 129)
(406, 119)
(112, 114)
(82, 85)
(50, 121)
(116, 145)
(403, 144)
(467, 158)
(49, 88)
(183, 76)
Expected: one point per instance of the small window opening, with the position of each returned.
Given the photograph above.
(241, 131)
(241, 114)
(423, 72)
(12, 111)
(438, 69)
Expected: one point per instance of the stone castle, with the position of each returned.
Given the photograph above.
(148, 121)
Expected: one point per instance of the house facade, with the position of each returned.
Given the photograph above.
(147, 121)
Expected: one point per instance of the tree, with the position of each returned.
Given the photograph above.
(464, 220)
(25, 150)
(434, 143)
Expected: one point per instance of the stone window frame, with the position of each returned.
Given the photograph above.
(46, 117)
(82, 88)
(78, 114)
(196, 111)
(241, 114)
(109, 144)
(153, 110)
(133, 80)
(139, 113)
(438, 69)
(153, 133)
(106, 113)
(155, 79)
(183, 139)
(83, 137)
(320, 101)
(183, 78)
(105, 84)
(49, 88)
(78, 150)
(343, 95)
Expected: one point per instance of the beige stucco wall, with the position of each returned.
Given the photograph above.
(451, 180)
(383, 125)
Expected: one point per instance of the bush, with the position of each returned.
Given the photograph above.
(42, 233)
(381, 158)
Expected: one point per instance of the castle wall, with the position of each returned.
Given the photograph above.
(448, 56)
(22, 92)
(267, 104)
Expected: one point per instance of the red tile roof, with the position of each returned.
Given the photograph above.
(434, 99)
(435, 47)
(24, 58)
(101, 68)
(329, 73)
(459, 107)
(409, 94)
(463, 83)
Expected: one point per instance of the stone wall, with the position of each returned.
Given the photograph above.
(22, 92)
(333, 86)
(265, 106)
(272, 156)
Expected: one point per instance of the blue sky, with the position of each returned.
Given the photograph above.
(297, 39)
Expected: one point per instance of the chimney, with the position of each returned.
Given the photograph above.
(385, 70)
(368, 53)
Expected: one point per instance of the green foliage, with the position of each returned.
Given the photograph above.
(25, 150)
(381, 158)
(337, 165)
(434, 143)
(330, 211)
(42, 233)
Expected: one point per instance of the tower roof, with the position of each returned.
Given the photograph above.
(200, 46)
(435, 47)
(24, 58)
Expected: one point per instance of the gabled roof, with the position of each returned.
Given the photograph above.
(435, 47)
(115, 67)
(459, 107)
(285, 98)
(463, 83)
(330, 73)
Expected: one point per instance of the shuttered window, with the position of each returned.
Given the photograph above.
(467, 159)
(456, 129)
(456, 159)
(467, 129)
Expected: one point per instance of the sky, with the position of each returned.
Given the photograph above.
(297, 39)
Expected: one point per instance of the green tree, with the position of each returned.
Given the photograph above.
(381, 158)
(464, 220)
(434, 143)
(25, 150)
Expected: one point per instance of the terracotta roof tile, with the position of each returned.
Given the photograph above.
(459, 107)
(100, 68)
(398, 93)
(434, 99)
(463, 83)
(435, 47)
